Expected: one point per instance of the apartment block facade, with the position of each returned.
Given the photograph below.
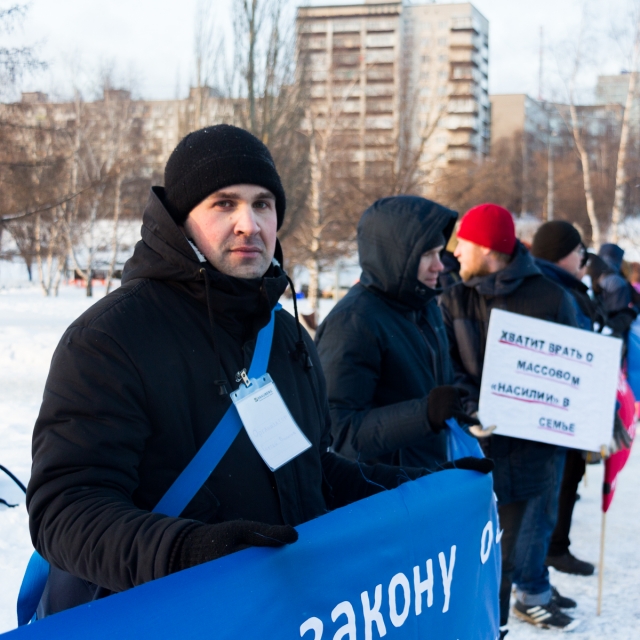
(160, 124)
(395, 83)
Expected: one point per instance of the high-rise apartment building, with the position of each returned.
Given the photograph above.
(448, 54)
(401, 88)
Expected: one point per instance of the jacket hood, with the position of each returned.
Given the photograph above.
(560, 275)
(507, 280)
(612, 254)
(164, 254)
(393, 233)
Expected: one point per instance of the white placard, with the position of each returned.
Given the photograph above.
(548, 382)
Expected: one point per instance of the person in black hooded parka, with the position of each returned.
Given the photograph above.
(384, 346)
(139, 382)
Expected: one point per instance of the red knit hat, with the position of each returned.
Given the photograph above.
(489, 225)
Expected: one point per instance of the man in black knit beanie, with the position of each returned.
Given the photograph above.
(562, 257)
(141, 380)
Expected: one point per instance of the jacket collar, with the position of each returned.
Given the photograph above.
(560, 275)
(507, 280)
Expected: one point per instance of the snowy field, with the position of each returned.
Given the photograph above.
(30, 327)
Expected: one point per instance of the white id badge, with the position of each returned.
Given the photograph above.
(269, 423)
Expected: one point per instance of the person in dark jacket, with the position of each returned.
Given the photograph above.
(384, 348)
(616, 295)
(562, 258)
(139, 382)
(499, 273)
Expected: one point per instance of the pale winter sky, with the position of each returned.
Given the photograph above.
(152, 40)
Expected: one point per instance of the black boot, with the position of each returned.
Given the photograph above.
(568, 563)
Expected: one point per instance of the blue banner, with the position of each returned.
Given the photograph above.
(633, 358)
(421, 561)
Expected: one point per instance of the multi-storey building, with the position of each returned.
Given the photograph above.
(614, 90)
(160, 124)
(400, 88)
(515, 114)
(351, 58)
(543, 123)
(448, 50)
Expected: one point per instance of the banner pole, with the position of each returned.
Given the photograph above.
(601, 568)
(603, 453)
(584, 478)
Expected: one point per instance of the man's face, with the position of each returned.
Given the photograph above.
(572, 263)
(430, 267)
(472, 258)
(235, 229)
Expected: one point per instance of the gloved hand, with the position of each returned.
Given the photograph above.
(483, 465)
(444, 403)
(202, 543)
(621, 437)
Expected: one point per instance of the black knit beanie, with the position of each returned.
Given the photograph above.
(213, 158)
(554, 240)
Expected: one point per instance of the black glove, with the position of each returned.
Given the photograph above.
(444, 403)
(621, 437)
(202, 543)
(483, 465)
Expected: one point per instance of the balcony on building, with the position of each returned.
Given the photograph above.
(465, 23)
(463, 123)
(465, 40)
(464, 106)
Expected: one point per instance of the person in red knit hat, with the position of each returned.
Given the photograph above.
(486, 239)
(497, 271)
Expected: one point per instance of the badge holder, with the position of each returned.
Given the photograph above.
(268, 421)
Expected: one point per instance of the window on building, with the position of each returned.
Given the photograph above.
(442, 24)
(443, 74)
(425, 59)
(443, 57)
(442, 42)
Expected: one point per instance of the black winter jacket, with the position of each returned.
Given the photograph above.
(131, 397)
(384, 346)
(523, 467)
(587, 311)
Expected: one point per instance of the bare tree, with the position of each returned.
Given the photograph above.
(621, 177)
(103, 156)
(318, 231)
(274, 95)
(15, 61)
(577, 128)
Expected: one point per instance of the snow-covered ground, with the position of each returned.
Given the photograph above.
(620, 619)
(30, 327)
